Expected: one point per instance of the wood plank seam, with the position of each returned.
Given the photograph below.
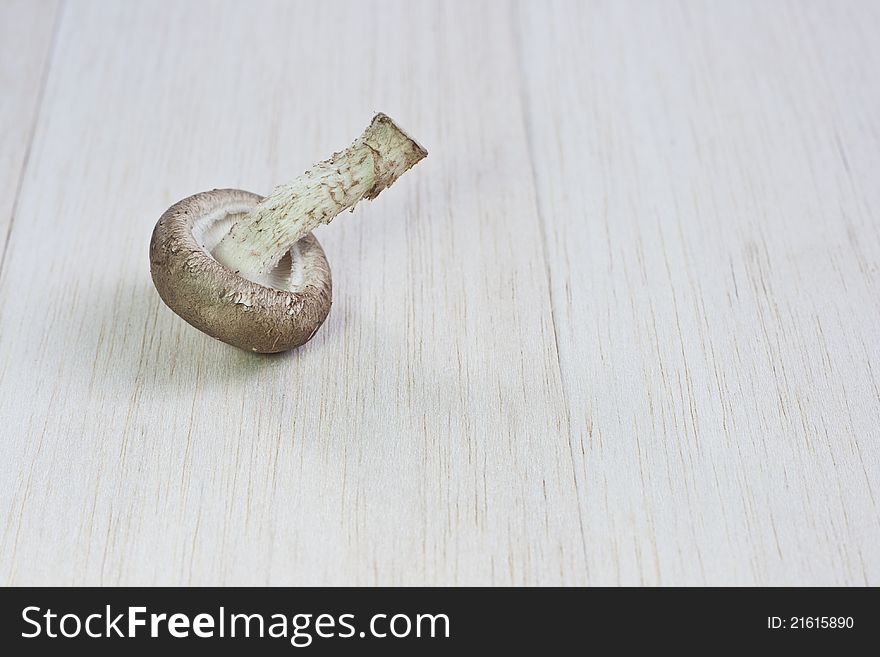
(32, 131)
(526, 114)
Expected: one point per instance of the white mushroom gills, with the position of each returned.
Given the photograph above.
(258, 241)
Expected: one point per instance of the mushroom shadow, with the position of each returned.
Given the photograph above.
(147, 345)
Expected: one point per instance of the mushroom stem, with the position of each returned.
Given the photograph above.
(373, 162)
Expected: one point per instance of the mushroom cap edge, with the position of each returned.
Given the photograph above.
(219, 302)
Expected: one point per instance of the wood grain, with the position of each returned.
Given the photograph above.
(26, 31)
(707, 183)
(620, 327)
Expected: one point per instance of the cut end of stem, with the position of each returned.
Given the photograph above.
(373, 162)
(395, 151)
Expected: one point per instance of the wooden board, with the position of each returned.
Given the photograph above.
(707, 182)
(26, 31)
(619, 327)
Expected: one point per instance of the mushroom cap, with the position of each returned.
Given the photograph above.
(281, 314)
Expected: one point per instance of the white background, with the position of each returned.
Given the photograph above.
(620, 327)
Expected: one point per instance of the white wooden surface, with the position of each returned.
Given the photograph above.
(621, 326)
(25, 42)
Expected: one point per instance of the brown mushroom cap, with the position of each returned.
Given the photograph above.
(282, 314)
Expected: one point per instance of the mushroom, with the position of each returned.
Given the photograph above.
(247, 270)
